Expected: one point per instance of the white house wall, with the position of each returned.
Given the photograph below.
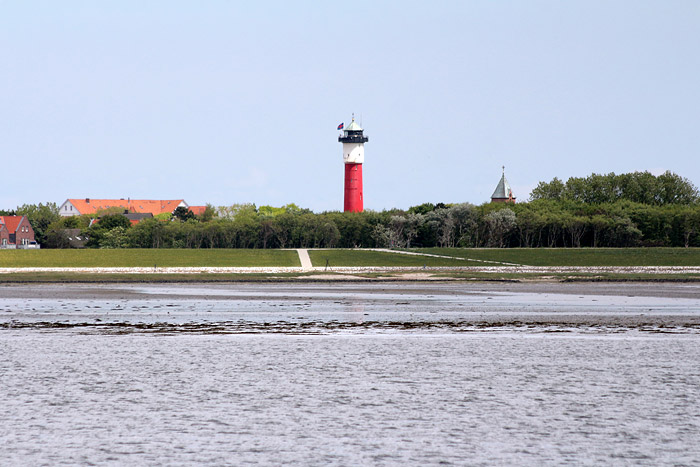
(67, 209)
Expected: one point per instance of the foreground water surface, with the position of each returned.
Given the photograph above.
(349, 375)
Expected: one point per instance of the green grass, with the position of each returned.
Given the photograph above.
(339, 258)
(147, 258)
(577, 256)
(350, 258)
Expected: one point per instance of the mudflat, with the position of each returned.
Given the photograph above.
(262, 290)
(355, 307)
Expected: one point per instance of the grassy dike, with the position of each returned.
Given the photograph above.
(125, 258)
(367, 258)
(457, 258)
(577, 256)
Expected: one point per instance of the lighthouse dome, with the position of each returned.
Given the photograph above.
(353, 134)
(353, 126)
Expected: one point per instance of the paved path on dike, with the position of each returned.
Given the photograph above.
(304, 258)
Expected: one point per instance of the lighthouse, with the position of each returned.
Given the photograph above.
(353, 156)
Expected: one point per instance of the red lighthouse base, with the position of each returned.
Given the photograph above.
(353, 188)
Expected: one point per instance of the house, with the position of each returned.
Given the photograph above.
(16, 232)
(77, 207)
(503, 193)
(198, 210)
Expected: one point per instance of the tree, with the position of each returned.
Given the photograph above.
(689, 223)
(442, 224)
(638, 187)
(624, 233)
(40, 216)
(106, 223)
(529, 225)
(111, 221)
(599, 225)
(56, 238)
(383, 236)
(553, 190)
(575, 227)
(114, 238)
(208, 214)
(146, 234)
(500, 224)
(404, 229)
(466, 220)
(231, 212)
(109, 211)
(183, 214)
(327, 235)
(675, 189)
(282, 228)
(421, 208)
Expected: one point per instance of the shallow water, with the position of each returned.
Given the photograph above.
(232, 375)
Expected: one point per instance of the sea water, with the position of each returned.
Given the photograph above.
(354, 375)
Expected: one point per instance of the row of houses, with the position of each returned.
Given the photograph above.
(17, 232)
(154, 207)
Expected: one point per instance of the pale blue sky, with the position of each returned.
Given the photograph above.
(229, 102)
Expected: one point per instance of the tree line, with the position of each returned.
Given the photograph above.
(637, 209)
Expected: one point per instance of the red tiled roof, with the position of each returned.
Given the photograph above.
(153, 206)
(11, 222)
(197, 210)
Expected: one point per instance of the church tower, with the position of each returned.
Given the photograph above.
(503, 193)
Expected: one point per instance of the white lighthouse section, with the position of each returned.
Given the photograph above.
(353, 153)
